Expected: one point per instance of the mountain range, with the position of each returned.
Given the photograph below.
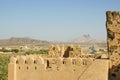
(14, 41)
(87, 39)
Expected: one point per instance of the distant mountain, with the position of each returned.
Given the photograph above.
(87, 39)
(14, 41)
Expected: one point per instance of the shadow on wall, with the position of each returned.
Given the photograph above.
(66, 54)
(114, 73)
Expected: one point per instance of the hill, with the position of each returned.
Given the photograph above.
(13, 41)
(87, 39)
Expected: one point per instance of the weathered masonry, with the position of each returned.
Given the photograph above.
(62, 62)
(34, 67)
(113, 41)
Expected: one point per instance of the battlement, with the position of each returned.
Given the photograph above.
(23, 66)
(29, 59)
(38, 60)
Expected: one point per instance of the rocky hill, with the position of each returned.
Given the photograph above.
(87, 39)
(22, 41)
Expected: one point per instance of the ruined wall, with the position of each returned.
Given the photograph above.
(64, 51)
(34, 67)
(113, 40)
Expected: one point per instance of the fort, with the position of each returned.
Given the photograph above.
(60, 62)
(69, 62)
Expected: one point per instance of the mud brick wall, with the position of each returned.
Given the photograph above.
(113, 41)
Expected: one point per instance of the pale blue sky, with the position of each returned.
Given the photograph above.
(54, 19)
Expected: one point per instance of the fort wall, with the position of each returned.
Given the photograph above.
(34, 67)
(113, 41)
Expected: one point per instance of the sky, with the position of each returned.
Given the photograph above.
(54, 20)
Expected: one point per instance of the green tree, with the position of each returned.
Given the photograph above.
(15, 50)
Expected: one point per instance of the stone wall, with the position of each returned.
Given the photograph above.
(113, 41)
(34, 67)
(66, 51)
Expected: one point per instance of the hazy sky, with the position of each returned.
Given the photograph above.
(54, 19)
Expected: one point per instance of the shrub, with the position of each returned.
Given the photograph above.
(37, 52)
(15, 50)
(4, 50)
(4, 60)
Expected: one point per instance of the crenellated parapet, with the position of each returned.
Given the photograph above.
(29, 66)
(21, 60)
(50, 63)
